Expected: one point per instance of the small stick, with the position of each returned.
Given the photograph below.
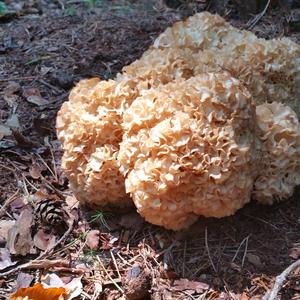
(110, 278)
(115, 263)
(7, 203)
(208, 252)
(37, 264)
(238, 249)
(258, 17)
(183, 259)
(47, 251)
(245, 253)
(33, 263)
(50, 86)
(280, 280)
(17, 78)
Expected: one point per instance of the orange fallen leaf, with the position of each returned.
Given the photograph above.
(38, 292)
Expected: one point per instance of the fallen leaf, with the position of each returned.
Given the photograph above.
(5, 226)
(45, 70)
(18, 204)
(4, 131)
(244, 296)
(185, 284)
(51, 280)
(23, 141)
(13, 122)
(6, 144)
(38, 292)
(35, 170)
(43, 240)
(42, 126)
(24, 280)
(295, 251)
(9, 93)
(72, 202)
(254, 259)
(224, 296)
(72, 207)
(5, 260)
(74, 287)
(19, 241)
(33, 95)
(92, 239)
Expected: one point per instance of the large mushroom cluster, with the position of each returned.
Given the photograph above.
(191, 128)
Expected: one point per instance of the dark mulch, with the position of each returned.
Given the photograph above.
(51, 45)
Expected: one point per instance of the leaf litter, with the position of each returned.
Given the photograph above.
(105, 253)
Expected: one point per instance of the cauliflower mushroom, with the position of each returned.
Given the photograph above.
(270, 69)
(189, 149)
(89, 127)
(184, 130)
(279, 132)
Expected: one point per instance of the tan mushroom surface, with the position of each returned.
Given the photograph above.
(270, 69)
(279, 131)
(189, 149)
(184, 131)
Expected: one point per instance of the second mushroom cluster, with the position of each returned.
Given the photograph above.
(204, 121)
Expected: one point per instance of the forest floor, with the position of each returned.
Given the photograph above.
(46, 47)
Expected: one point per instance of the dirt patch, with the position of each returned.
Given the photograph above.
(48, 46)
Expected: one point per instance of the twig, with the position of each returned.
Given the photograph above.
(51, 187)
(17, 78)
(280, 280)
(183, 259)
(208, 252)
(245, 252)
(115, 263)
(47, 251)
(50, 86)
(258, 17)
(7, 203)
(110, 278)
(37, 264)
(33, 263)
(238, 249)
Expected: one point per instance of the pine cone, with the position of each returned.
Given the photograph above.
(50, 212)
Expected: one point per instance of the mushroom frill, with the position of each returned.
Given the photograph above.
(184, 131)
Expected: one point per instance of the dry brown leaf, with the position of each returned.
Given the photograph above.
(72, 202)
(19, 241)
(35, 170)
(9, 93)
(244, 297)
(5, 226)
(295, 251)
(34, 96)
(38, 292)
(254, 259)
(92, 239)
(5, 260)
(43, 240)
(18, 204)
(185, 284)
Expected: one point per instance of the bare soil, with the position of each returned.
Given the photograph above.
(48, 46)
